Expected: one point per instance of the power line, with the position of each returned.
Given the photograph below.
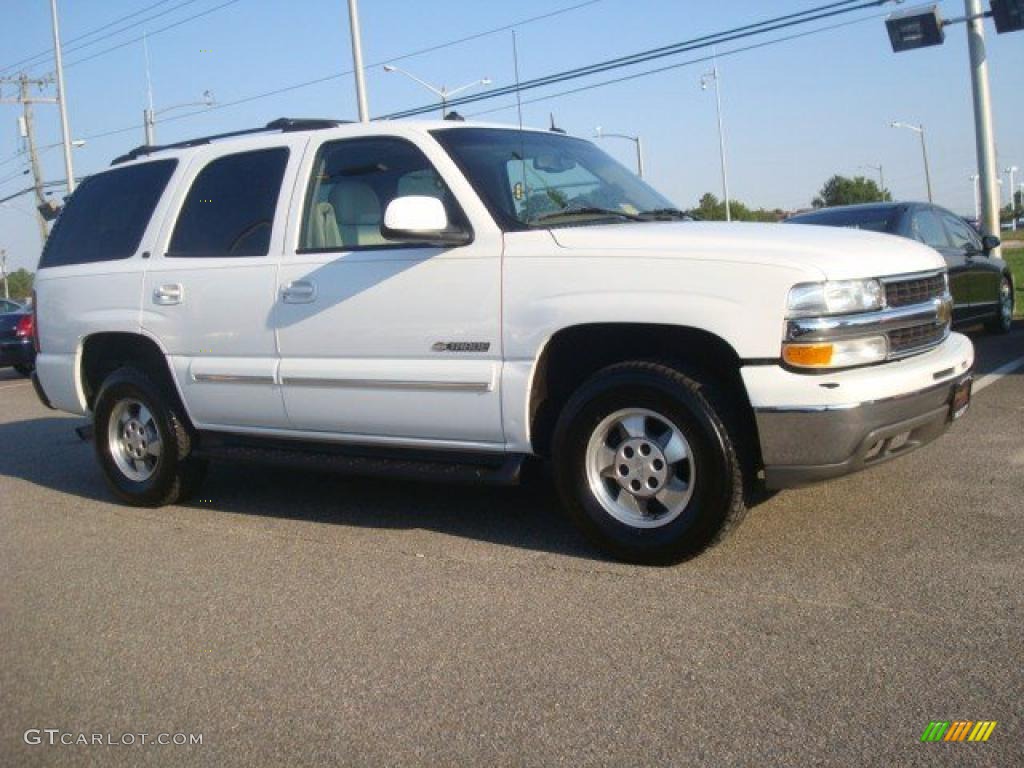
(49, 52)
(705, 41)
(337, 75)
(679, 65)
(178, 23)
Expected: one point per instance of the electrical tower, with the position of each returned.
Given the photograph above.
(24, 97)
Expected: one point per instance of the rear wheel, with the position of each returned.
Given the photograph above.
(25, 370)
(645, 465)
(1003, 320)
(143, 442)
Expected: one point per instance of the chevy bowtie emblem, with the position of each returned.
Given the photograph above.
(461, 346)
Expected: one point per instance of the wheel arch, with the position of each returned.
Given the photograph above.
(104, 352)
(574, 353)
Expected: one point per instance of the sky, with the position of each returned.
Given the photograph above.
(794, 112)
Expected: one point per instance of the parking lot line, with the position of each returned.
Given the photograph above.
(998, 373)
(15, 384)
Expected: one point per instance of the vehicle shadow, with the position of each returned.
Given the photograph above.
(994, 350)
(49, 454)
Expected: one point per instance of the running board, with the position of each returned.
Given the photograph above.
(442, 466)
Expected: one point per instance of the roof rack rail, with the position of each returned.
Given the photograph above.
(282, 124)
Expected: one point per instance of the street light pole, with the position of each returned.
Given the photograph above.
(1011, 172)
(62, 99)
(975, 178)
(357, 61)
(442, 92)
(983, 132)
(919, 130)
(713, 75)
(881, 177)
(599, 134)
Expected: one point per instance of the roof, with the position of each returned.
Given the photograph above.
(304, 125)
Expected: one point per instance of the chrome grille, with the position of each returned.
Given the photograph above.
(915, 290)
(904, 341)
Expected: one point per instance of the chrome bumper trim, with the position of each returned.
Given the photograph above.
(803, 445)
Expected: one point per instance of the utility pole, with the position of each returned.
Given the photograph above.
(27, 100)
(357, 61)
(984, 136)
(62, 99)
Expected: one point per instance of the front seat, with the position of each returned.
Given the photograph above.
(358, 213)
(323, 232)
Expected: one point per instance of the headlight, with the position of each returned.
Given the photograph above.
(842, 353)
(835, 297)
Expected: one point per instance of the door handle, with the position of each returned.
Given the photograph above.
(299, 292)
(169, 294)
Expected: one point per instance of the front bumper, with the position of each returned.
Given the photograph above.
(818, 426)
(807, 445)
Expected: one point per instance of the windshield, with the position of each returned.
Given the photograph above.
(881, 219)
(529, 179)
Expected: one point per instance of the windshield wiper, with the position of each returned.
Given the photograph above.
(664, 214)
(586, 211)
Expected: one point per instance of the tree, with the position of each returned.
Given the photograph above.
(710, 208)
(19, 283)
(841, 190)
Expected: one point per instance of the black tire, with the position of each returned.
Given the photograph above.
(717, 502)
(25, 370)
(1003, 321)
(176, 474)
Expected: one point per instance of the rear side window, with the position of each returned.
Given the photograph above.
(107, 215)
(230, 208)
(926, 227)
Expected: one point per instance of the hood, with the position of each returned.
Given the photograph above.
(836, 253)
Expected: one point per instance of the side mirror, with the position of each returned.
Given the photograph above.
(989, 243)
(421, 219)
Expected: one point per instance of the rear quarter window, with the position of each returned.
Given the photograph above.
(105, 218)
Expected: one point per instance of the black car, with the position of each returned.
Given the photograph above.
(981, 284)
(16, 345)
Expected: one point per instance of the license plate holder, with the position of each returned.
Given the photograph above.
(961, 399)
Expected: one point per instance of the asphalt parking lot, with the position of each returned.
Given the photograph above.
(302, 619)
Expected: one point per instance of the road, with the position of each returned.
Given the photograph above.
(301, 619)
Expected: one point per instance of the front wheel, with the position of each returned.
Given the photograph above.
(142, 441)
(1003, 320)
(645, 465)
(25, 370)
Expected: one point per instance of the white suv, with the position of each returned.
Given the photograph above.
(448, 300)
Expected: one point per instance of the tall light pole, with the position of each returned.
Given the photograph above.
(599, 134)
(705, 78)
(881, 176)
(443, 92)
(62, 99)
(357, 61)
(1011, 172)
(984, 136)
(149, 115)
(919, 130)
(975, 183)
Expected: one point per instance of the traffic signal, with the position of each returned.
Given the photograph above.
(1008, 15)
(917, 27)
